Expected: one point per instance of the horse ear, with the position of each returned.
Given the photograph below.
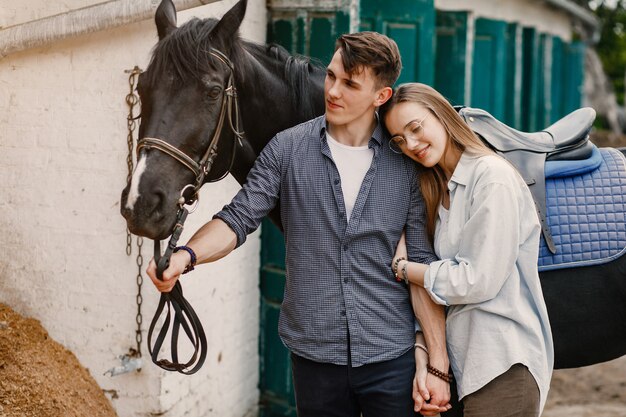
(230, 22)
(165, 18)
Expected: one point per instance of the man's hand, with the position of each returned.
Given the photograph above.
(430, 394)
(178, 262)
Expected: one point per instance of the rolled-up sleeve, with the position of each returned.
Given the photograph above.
(258, 195)
(419, 248)
(488, 250)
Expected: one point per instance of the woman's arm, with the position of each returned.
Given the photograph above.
(488, 249)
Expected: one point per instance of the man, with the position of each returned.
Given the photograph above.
(345, 198)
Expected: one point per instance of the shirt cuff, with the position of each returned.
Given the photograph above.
(430, 278)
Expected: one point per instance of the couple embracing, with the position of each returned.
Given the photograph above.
(411, 252)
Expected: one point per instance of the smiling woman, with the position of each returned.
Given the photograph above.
(486, 235)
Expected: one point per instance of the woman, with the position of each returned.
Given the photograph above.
(482, 222)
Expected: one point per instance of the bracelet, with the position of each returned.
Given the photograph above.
(405, 277)
(421, 346)
(439, 374)
(394, 267)
(191, 253)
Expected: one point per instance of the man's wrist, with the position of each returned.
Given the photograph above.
(189, 256)
(439, 361)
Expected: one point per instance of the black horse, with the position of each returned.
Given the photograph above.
(182, 95)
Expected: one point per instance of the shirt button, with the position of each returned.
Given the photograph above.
(343, 312)
(336, 181)
(345, 247)
(346, 279)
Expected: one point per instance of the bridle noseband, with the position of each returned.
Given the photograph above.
(184, 315)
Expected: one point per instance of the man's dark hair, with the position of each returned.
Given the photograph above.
(371, 50)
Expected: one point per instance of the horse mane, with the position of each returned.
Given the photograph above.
(184, 53)
(298, 73)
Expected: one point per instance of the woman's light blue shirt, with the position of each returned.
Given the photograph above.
(488, 243)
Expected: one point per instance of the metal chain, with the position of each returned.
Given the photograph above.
(132, 100)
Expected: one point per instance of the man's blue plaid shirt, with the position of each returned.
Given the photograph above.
(339, 280)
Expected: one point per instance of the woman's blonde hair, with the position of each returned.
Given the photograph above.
(433, 182)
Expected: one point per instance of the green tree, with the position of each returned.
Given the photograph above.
(612, 45)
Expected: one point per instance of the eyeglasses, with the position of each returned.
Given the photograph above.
(415, 133)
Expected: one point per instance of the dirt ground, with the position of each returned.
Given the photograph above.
(592, 391)
(40, 378)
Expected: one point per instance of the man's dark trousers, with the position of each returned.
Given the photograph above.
(381, 389)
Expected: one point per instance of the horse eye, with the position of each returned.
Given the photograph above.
(214, 92)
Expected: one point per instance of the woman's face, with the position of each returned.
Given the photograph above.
(417, 132)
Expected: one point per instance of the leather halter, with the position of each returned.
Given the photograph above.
(183, 314)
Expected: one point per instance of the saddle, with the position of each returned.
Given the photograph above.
(565, 141)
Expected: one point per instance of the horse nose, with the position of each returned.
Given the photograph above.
(143, 206)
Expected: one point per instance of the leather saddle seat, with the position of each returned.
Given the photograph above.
(565, 140)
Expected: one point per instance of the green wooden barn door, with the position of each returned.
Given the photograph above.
(305, 30)
(451, 56)
(574, 76)
(489, 66)
(411, 24)
(513, 78)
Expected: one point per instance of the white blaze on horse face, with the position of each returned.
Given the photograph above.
(133, 193)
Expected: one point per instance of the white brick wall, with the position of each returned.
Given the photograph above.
(62, 169)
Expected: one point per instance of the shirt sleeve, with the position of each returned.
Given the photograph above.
(488, 250)
(258, 195)
(418, 245)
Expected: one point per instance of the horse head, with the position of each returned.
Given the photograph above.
(189, 131)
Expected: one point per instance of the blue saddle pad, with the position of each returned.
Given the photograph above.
(587, 215)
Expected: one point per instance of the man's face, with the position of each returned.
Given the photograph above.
(349, 97)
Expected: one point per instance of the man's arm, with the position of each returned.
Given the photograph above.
(430, 315)
(230, 227)
(431, 318)
(211, 242)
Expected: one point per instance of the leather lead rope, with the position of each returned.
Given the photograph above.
(179, 311)
(179, 314)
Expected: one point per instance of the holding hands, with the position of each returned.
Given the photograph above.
(431, 394)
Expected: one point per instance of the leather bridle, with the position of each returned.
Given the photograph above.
(183, 314)
(229, 106)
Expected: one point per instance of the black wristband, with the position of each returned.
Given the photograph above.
(191, 253)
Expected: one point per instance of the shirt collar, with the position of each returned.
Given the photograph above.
(463, 172)
(378, 134)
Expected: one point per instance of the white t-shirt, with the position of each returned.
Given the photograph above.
(352, 163)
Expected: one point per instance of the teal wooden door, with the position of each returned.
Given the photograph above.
(513, 77)
(543, 79)
(574, 76)
(450, 60)
(489, 66)
(411, 24)
(557, 75)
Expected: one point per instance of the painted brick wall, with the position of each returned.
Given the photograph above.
(62, 169)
